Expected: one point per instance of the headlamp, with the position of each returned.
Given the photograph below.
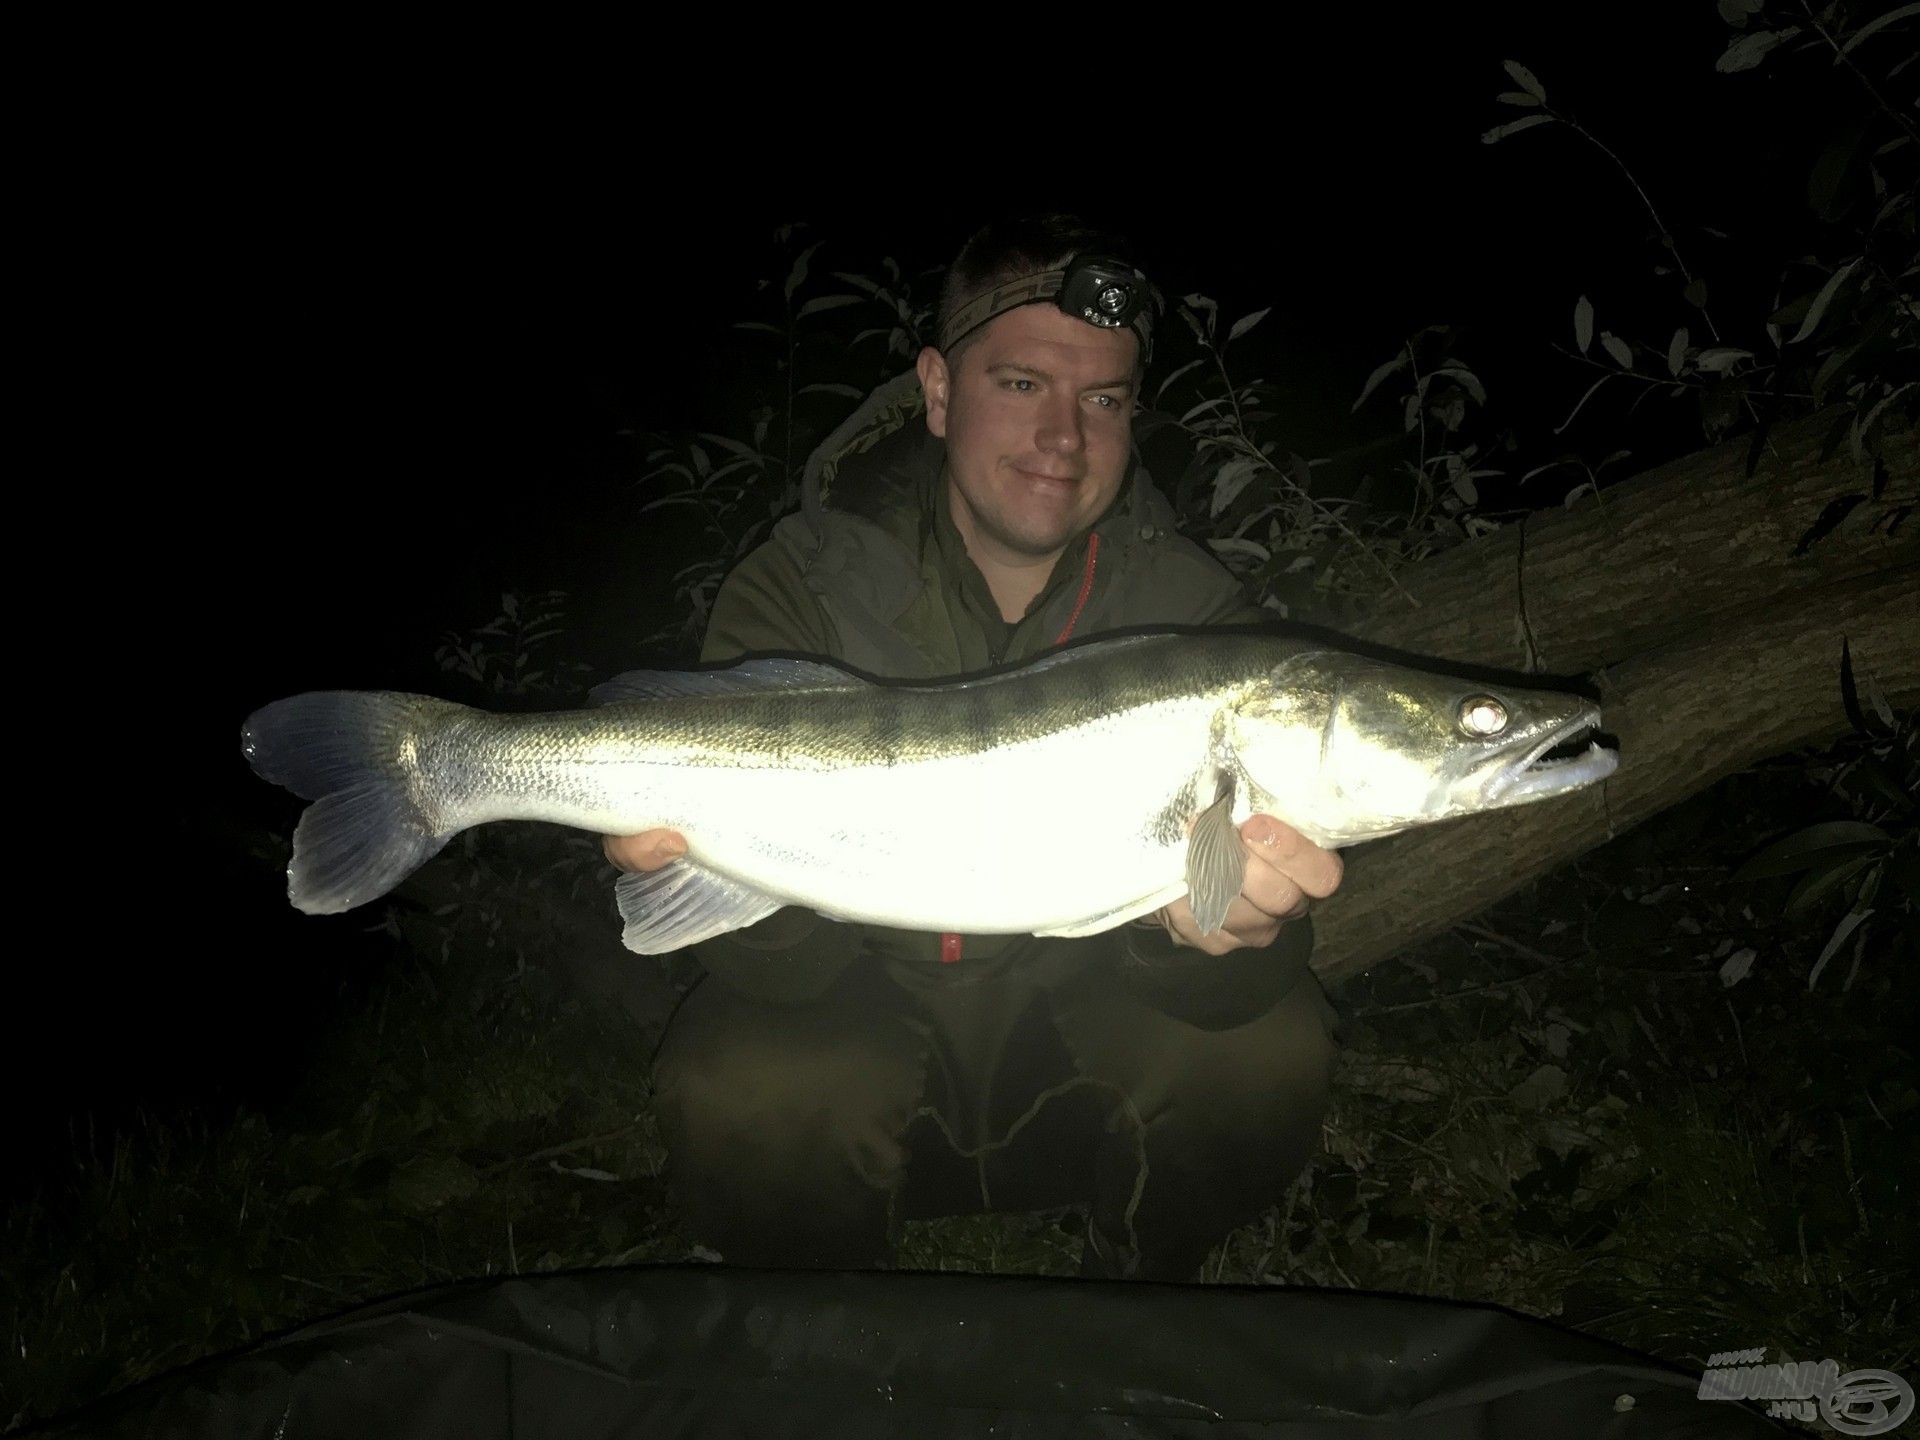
(1098, 289)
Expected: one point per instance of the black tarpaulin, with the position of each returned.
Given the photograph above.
(711, 1350)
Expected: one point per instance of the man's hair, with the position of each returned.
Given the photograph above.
(1008, 249)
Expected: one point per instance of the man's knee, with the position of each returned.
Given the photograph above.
(1287, 1055)
(755, 1082)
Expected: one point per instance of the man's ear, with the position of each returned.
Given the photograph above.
(934, 383)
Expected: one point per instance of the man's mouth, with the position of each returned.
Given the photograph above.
(1040, 477)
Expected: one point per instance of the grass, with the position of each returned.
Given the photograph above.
(1560, 1108)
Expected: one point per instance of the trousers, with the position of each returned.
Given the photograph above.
(802, 1135)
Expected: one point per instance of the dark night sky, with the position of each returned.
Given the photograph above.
(391, 346)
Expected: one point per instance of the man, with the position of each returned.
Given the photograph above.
(824, 1081)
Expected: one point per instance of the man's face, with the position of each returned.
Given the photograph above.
(1037, 413)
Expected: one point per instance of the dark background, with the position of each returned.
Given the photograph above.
(381, 350)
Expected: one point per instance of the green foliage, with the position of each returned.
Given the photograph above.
(1853, 321)
(470, 1120)
(828, 340)
(1872, 861)
(514, 653)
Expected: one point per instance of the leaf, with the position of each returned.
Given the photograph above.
(1231, 545)
(1231, 479)
(727, 442)
(585, 1172)
(1393, 366)
(1523, 77)
(1875, 775)
(1737, 12)
(1246, 323)
(1517, 97)
(1750, 49)
(1583, 323)
(797, 276)
(1866, 421)
(1718, 359)
(1822, 300)
(1812, 845)
(756, 325)
(1677, 351)
(1513, 127)
(1853, 921)
(1201, 360)
(831, 387)
(1696, 294)
(1540, 1089)
(1905, 12)
(1621, 352)
(1468, 381)
(1734, 969)
(1821, 883)
(1830, 516)
(1850, 694)
(1581, 405)
(825, 302)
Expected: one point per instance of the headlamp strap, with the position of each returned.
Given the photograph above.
(1093, 288)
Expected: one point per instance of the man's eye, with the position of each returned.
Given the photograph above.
(1108, 402)
(1017, 381)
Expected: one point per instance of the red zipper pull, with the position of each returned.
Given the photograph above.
(949, 948)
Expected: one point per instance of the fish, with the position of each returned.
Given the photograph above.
(1063, 797)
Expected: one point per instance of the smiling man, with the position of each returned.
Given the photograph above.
(823, 1081)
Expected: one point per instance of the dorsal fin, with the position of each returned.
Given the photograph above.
(747, 676)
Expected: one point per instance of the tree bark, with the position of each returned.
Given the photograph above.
(1658, 558)
(1715, 646)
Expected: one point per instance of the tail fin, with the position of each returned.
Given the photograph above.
(352, 753)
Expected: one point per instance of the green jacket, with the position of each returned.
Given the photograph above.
(871, 572)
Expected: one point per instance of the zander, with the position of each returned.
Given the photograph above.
(1063, 798)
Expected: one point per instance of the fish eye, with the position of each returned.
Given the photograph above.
(1482, 715)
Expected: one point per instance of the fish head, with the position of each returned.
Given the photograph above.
(1346, 748)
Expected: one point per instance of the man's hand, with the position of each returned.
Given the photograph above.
(649, 850)
(1284, 869)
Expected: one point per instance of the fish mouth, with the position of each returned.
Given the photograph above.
(1575, 754)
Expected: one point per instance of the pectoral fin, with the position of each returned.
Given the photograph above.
(1216, 864)
(683, 904)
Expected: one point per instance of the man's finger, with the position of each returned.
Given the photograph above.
(1277, 845)
(649, 850)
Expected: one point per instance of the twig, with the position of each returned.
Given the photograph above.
(1875, 1108)
(1539, 956)
(1652, 1039)
(1841, 57)
(553, 1151)
(1416, 1145)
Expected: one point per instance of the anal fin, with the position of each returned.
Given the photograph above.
(683, 904)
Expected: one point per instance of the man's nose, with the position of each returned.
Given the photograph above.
(1060, 425)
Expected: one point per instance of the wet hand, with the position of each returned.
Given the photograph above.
(1284, 871)
(649, 850)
